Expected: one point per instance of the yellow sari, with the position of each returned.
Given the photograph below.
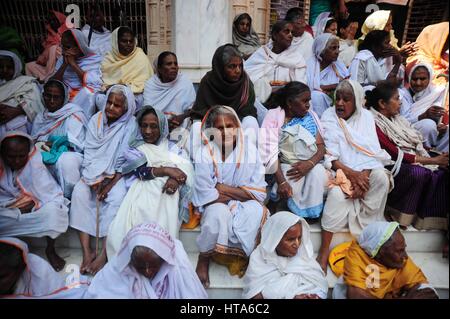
(431, 41)
(131, 70)
(358, 267)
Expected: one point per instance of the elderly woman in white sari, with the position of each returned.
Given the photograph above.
(302, 39)
(228, 191)
(170, 91)
(79, 69)
(324, 71)
(369, 65)
(31, 202)
(283, 265)
(245, 37)
(291, 148)
(276, 63)
(423, 106)
(325, 23)
(60, 131)
(150, 264)
(23, 273)
(20, 98)
(98, 195)
(359, 193)
(160, 180)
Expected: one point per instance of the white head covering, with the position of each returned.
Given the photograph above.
(104, 142)
(16, 60)
(284, 277)
(377, 21)
(38, 278)
(320, 23)
(376, 235)
(353, 141)
(82, 41)
(431, 96)
(176, 279)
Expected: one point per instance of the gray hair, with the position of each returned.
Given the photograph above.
(332, 37)
(215, 112)
(120, 91)
(230, 52)
(345, 86)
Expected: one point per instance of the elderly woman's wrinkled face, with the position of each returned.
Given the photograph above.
(53, 98)
(345, 104)
(6, 68)
(244, 27)
(126, 44)
(331, 52)
(168, 71)
(68, 42)
(299, 105)
(146, 262)
(150, 130)
(283, 39)
(393, 255)
(227, 129)
(392, 107)
(233, 69)
(332, 28)
(14, 151)
(115, 107)
(290, 243)
(420, 79)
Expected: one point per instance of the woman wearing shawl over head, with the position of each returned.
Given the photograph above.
(226, 84)
(229, 189)
(244, 36)
(423, 105)
(20, 99)
(421, 185)
(324, 72)
(23, 274)
(381, 247)
(432, 45)
(101, 187)
(31, 202)
(150, 264)
(170, 91)
(325, 23)
(79, 69)
(283, 264)
(44, 66)
(126, 64)
(291, 147)
(276, 63)
(60, 130)
(160, 180)
(358, 194)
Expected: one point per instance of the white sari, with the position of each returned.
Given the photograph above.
(277, 277)
(354, 143)
(49, 216)
(20, 90)
(265, 66)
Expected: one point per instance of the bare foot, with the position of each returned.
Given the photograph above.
(322, 259)
(54, 259)
(202, 270)
(97, 264)
(88, 257)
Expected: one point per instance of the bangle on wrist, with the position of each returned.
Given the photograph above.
(282, 183)
(312, 163)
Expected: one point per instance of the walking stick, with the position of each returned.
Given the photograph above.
(97, 228)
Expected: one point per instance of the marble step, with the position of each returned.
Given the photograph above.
(417, 241)
(225, 286)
